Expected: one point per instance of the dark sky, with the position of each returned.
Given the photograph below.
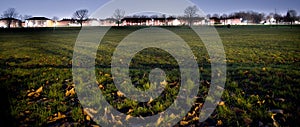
(66, 8)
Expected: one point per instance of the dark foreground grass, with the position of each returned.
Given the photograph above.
(262, 86)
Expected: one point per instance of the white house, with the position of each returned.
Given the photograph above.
(39, 22)
(14, 23)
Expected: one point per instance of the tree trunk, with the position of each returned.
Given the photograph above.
(190, 22)
(8, 23)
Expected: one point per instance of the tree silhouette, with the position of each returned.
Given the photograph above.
(118, 15)
(215, 16)
(224, 17)
(10, 14)
(24, 17)
(291, 16)
(55, 18)
(250, 16)
(277, 17)
(81, 15)
(190, 13)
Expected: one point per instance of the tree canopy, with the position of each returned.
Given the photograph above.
(81, 15)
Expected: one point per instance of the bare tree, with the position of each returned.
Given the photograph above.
(208, 16)
(250, 16)
(154, 16)
(81, 15)
(278, 18)
(10, 14)
(164, 16)
(291, 16)
(118, 15)
(190, 13)
(215, 16)
(55, 18)
(24, 17)
(224, 17)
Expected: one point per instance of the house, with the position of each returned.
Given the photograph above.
(91, 22)
(75, 22)
(14, 23)
(214, 20)
(137, 21)
(39, 22)
(66, 22)
(107, 22)
(225, 21)
(148, 21)
(269, 21)
(232, 21)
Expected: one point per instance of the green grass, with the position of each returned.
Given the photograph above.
(262, 70)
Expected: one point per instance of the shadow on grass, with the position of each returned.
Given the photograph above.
(5, 118)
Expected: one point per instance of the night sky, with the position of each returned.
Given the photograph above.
(66, 8)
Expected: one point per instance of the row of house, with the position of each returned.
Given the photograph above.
(127, 21)
(41, 22)
(231, 21)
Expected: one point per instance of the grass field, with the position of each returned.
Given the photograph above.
(262, 86)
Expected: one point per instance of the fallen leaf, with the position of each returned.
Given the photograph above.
(141, 117)
(159, 120)
(36, 95)
(60, 116)
(30, 94)
(261, 102)
(107, 75)
(195, 118)
(87, 111)
(101, 86)
(222, 103)
(128, 117)
(39, 90)
(120, 94)
(70, 92)
(184, 123)
(93, 110)
(172, 116)
(150, 100)
(56, 116)
(164, 83)
(219, 123)
(129, 111)
(276, 124)
(88, 118)
(112, 117)
(190, 115)
(119, 122)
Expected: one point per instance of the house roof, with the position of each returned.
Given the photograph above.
(68, 20)
(147, 18)
(38, 18)
(9, 19)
